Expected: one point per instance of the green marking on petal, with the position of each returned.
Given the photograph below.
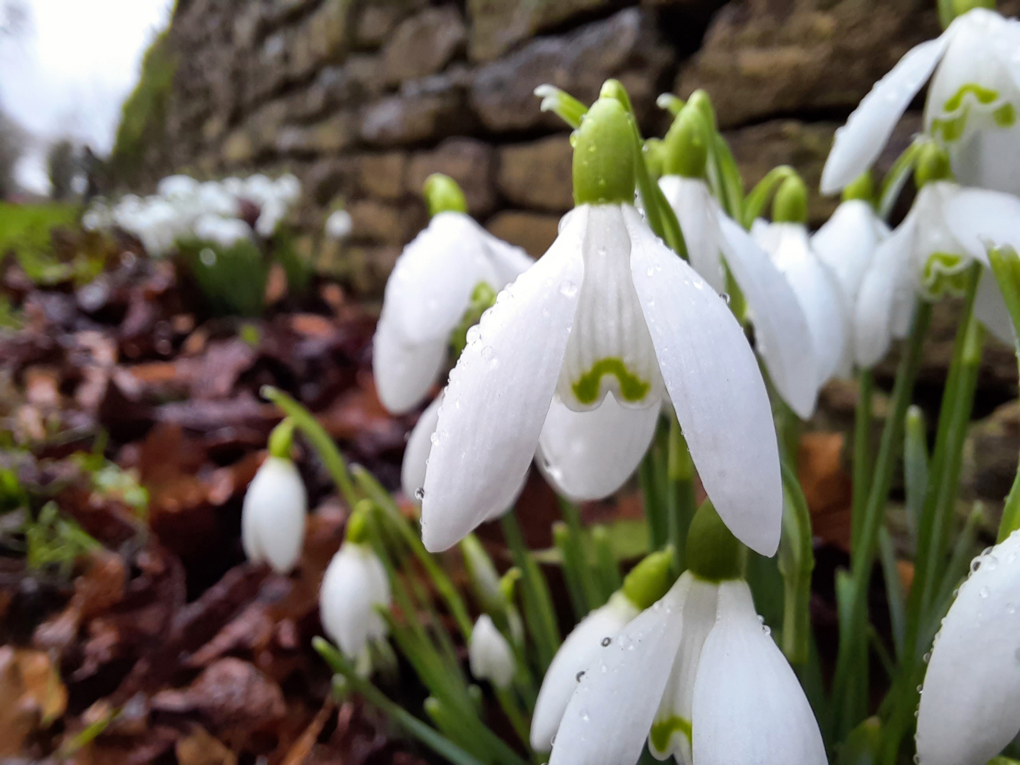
(663, 730)
(632, 387)
(1005, 116)
(982, 94)
(944, 274)
(951, 128)
(483, 297)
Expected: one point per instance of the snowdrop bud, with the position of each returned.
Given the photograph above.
(339, 225)
(687, 144)
(713, 553)
(273, 515)
(862, 187)
(604, 155)
(790, 202)
(932, 165)
(490, 655)
(484, 579)
(442, 194)
(354, 586)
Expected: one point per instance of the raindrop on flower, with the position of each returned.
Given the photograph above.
(991, 562)
(983, 592)
(419, 494)
(434, 438)
(568, 288)
(927, 657)
(606, 641)
(725, 296)
(579, 675)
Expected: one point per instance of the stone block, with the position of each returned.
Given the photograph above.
(383, 222)
(469, 162)
(538, 174)
(328, 179)
(423, 44)
(532, 231)
(415, 116)
(328, 137)
(382, 175)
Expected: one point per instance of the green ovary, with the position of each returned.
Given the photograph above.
(944, 273)
(632, 387)
(663, 730)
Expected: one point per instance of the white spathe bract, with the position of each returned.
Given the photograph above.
(577, 653)
(354, 585)
(426, 297)
(489, 654)
(817, 291)
(781, 329)
(946, 230)
(608, 309)
(972, 109)
(273, 515)
(730, 697)
(970, 702)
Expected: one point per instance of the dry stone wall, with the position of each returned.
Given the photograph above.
(362, 99)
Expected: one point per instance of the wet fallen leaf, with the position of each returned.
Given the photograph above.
(33, 696)
(200, 748)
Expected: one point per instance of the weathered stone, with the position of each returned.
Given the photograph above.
(328, 179)
(382, 175)
(768, 57)
(327, 137)
(532, 231)
(423, 44)
(538, 174)
(414, 115)
(363, 269)
(238, 148)
(990, 455)
(498, 25)
(322, 38)
(379, 17)
(467, 161)
(384, 223)
(503, 91)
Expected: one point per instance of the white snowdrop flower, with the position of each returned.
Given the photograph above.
(273, 515)
(215, 199)
(157, 224)
(354, 585)
(288, 189)
(225, 232)
(177, 187)
(972, 107)
(970, 702)
(608, 310)
(99, 217)
(697, 675)
(272, 213)
(489, 654)
(339, 225)
(428, 293)
(781, 329)
(258, 188)
(644, 585)
(927, 256)
(416, 452)
(817, 290)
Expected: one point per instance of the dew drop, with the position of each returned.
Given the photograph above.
(991, 562)
(434, 438)
(917, 759)
(927, 657)
(606, 641)
(983, 592)
(488, 353)
(579, 675)
(725, 296)
(419, 494)
(568, 288)
(975, 564)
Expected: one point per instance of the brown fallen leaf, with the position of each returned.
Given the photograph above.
(33, 696)
(201, 748)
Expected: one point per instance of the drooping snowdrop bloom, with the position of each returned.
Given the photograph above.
(275, 505)
(644, 585)
(608, 310)
(354, 586)
(156, 222)
(433, 285)
(226, 232)
(339, 225)
(927, 256)
(489, 654)
(818, 293)
(713, 238)
(972, 107)
(970, 702)
(728, 696)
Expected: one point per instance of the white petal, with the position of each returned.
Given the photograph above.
(970, 705)
(668, 736)
(589, 455)
(273, 515)
(499, 394)
(860, 141)
(819, 296)
(716, 389)
(609, 348)
(990, 309)
(508, 260)
(847, 242)
(749, 707)
(611, 710)
(888, 277)
(404, 370)
(989, 160)
(981, 219)
(490, 656)
(780, 327)
(697, 212)
(416, 453)
(577, 653)
(353, 586)
(432, 280)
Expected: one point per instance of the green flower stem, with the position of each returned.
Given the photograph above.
(424, 733)
(896, 178)
(571, 569)
(512, 709)
(325, 447)
(863, 456)
(893, 588)
(915, 469)
(488, 744)
(864, 555)
(681, 504)
(579, 544)
(451, 596)
(796, 562)
(755, 202)
(655, 506)
(605, 561)
(538, 608)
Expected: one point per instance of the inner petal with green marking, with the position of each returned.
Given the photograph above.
(944, 274)
(663, 731)
(972, 105)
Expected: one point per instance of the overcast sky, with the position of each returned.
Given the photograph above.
(72, 67)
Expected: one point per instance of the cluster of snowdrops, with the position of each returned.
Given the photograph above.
(672, 329)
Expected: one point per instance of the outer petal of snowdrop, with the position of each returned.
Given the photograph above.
(589, 455)
(404, 372)
(416, 453)
(353, 586)
(716, 389)
(847, 242)
(970, 704)
(694, 205)
(273, 515)
(490, 421)
(749, 706)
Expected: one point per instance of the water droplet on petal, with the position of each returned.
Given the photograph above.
(579, 675)
(419, 494)
(983, 592)
(568, 288)
(606, 641)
